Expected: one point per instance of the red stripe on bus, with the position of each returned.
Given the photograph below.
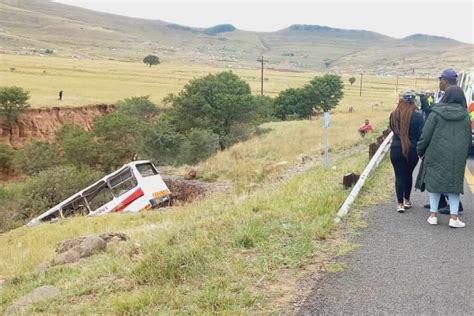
(132, 197)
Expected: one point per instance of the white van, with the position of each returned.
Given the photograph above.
(135, 187)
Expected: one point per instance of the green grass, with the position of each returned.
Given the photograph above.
(201, 258)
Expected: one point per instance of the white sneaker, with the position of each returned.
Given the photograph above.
(456, 223)
(432, 220)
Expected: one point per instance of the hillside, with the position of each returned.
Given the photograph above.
(31, 26)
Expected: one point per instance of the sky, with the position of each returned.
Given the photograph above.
(452, 19)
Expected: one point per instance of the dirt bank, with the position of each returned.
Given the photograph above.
(41, 123)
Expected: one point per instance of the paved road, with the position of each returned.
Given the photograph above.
(405, 266)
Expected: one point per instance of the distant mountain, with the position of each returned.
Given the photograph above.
(424, 38)
(32, 26)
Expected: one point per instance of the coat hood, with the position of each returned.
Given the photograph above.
(450, 111)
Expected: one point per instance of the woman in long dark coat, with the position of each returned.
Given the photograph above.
(444, 147)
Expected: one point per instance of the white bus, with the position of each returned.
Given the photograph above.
(135, 187)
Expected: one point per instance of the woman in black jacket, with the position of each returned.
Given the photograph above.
(406, 125)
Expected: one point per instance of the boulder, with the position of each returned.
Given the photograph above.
(38, 295)
(82, 247)
(69, 256)
(114, 237)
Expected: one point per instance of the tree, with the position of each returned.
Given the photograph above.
(324, 93)
(38, 156)
(151, 60)
(352, 80)
(78, 146)
(7, 155)
(13, 102)
(292, 102)
(118, 139)
(163, 144)
(139, 107)
(215, 102)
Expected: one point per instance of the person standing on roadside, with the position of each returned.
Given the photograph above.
(406, 124)
(444, 147)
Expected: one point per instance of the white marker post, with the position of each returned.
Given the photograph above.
(326, 122)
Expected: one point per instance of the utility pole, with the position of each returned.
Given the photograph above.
(262, 61)
(360, 90)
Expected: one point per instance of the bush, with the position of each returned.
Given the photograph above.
(200, 144)
(13, 102)
(9, 207)
(50, 187)
(291, 103)
(7, 155)
(78, 146)
(119, 139)
(37, 156)
(139, 107)
(163, 144)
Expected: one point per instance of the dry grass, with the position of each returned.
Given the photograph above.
(99, 81)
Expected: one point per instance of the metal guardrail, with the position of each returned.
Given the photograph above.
(373, 163)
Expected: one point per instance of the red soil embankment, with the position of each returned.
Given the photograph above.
(41, 123)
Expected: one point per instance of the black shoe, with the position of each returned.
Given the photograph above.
(445, 210)
(426, 206)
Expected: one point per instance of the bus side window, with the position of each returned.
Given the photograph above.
(52, 217)
(75, 207)
(122, 182)
(146, 170)
(98, 195)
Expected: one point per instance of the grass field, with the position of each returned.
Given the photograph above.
(88, 81)
(231, 253)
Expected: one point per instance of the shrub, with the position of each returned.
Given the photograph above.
(13, 102)
(37, 156)
(139, 107)
(78, 146)
(163, 144)
(199, 145)
(50, 187)
(7, 155)
(119, 138)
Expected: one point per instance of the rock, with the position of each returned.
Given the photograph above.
(190, 174)
(84, 247)
(65, 245)
(114, 237)
(40, 294)
(89, 246)
(69, 256)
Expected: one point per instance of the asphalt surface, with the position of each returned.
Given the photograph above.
(405, 266)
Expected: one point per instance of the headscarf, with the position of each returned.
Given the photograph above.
(454, 94)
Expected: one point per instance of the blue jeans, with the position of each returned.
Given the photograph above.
(453, 202)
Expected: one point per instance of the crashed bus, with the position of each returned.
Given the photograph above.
(135, 187)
